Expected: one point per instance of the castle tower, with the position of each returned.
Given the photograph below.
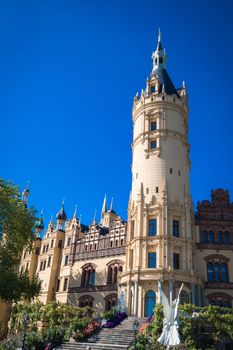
(160, 236)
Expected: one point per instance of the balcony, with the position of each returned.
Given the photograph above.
(103, 288)
(218, 285)
(215, 246)
(99, 253)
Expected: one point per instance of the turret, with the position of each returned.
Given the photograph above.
(25, 195)
(61, 218)
(39, 225)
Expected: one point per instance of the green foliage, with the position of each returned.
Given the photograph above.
(16, 234)
(9, 343)
(59, 321)
(109, 315)
(205, 327)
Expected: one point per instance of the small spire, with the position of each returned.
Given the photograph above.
(75, 211)
(104, 206)
(51, 219)
(183, 85)
(163, 88)
(142, 93)
(94, 219)
(111, 206)
(159, 35)
(80, 219)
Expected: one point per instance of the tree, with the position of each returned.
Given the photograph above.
(16, 234)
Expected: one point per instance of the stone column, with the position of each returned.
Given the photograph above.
(128, 300)
(135, 298)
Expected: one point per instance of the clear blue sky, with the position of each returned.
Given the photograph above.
(68, 73)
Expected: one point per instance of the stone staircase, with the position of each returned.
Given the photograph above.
(118, 338)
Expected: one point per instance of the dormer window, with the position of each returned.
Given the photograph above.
(152, 89)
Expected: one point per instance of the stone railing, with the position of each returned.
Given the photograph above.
(219, 285)
(103, 288)
(99, 253)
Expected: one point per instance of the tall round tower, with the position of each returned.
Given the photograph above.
(160, 213)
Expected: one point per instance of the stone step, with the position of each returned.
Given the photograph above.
(95, 346)
(117, 338)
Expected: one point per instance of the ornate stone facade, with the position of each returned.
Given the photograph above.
(113, 262)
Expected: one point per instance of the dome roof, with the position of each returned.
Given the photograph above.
(39, 224)
(61, 215)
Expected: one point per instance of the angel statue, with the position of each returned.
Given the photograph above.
(170, 335)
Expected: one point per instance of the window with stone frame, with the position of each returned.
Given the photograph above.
(88, 276)
(110, 301)
(152, 227)
(86, 300)
(220, 299)
(217, 268)
(113, 271)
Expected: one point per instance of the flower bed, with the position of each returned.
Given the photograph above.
(88, 331)
(118, 318)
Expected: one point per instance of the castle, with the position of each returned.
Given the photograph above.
(116, 262)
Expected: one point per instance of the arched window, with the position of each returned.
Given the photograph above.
(220, 299)
(149, 303)
(220, 237)
(216, 272)
(217, 268)
(184, 297)
(113, 269)
(88, 276)
(224, 272)
(86, 300)
(210, 274)
(211, 237)
(226, 237)
(110, 301)
(204, 237)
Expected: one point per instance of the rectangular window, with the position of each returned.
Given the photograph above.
(65, 285)
(44, 266)
(153, 144)
(60, 243)
(156, 189)
(41, 265)
(152, 260)
(153, 126)
(68, 241)
(170, 170)
(66, 260)
(176, 261)
(47, 248)
(49, 261)
(37, 251)
(152, 89)
(176, 229)
(58, 285)
(44, 247)
(51, 244)
(152, 227)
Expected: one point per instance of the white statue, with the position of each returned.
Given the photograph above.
(170, 335)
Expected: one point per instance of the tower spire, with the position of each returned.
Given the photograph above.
(94, 219)
(104, 206)
(159, 56)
